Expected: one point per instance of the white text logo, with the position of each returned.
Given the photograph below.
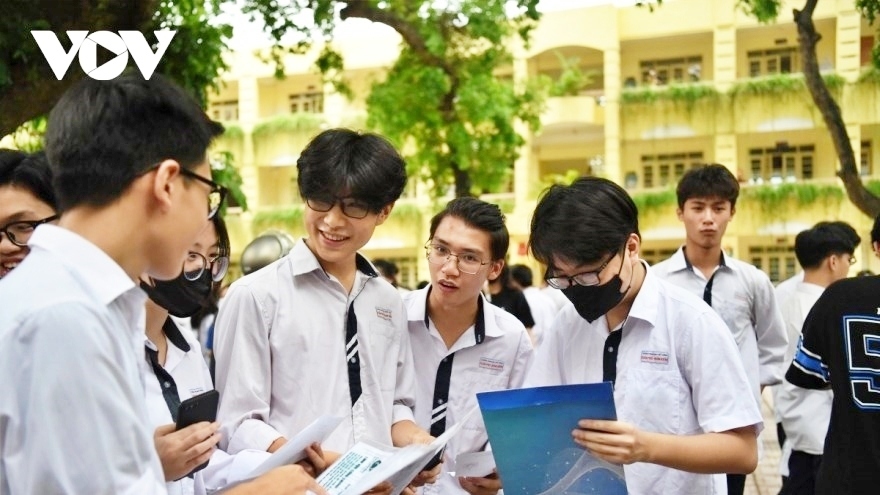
(86, 45)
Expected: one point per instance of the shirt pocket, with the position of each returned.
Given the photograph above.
(736, 311)
(652, 400)
(382, 344)
(474, 382)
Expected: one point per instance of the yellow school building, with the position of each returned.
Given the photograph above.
(694, 81)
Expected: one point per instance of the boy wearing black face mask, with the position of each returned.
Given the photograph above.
(682, 396)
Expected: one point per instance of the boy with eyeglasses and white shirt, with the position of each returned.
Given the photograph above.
(683, 401)
(465, 344)
(319, 332)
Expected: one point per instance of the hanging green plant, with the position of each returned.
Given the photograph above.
(774, 198)
(869, 76)
(873, 186)
(406, 212)
(289, 123)
(232, 131)
(655, 201)
(686, 93)
(225, 173)
(289, 218)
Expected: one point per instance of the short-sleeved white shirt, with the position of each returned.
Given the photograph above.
(280, 349)
(72, 412)
(543, 309)
(804, 413)
(185, 364)
(745, 299)
(678, 372)
(499, 362)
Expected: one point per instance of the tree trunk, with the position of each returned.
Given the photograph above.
(860, 196)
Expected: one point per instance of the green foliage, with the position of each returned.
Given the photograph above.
(29, 136)
(773, 85)
(773, 199)
(288, 218)
(408, 213)
(194, 58)
(654, 201)
(232, 130)
(688, 94)
(443, 103)
(224, 172)
(565, 179)
(870, 75)
(289, 123)
(571, 79)
(873, 186)
(765, 11)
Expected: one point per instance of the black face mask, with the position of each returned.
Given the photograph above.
(593, 301)
(181, 297)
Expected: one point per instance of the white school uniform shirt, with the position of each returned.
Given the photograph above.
(804, 413)
(72, 411)
(280, 349)
(184, 362)
(543, 309)
(678, 372)
(499, 362)
(744, 298)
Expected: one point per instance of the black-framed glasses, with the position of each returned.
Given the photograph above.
(196, 264)
(468, 263)
(351, 207)
(19, 232)
(584, 278)
(215, 197)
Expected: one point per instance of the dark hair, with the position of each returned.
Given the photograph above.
(813, 245)
(223, 249)
(29, 172)
(707, 181)
(522, 274)
(103, 134)
(363, 166)
(479, 215)
(875, 230)
(582, 223)
(386, 267)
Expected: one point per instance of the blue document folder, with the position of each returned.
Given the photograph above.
(530, 432)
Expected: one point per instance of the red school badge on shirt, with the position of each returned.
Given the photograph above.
(491, 364)
(655, 357)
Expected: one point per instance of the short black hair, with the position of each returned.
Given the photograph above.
(522, 274)
(706, 181)
(386, 267)
(875, 230)
(582, 223)
(480, 215)
(813, 245)
(30, 172)
(364, 166)
(103, 134)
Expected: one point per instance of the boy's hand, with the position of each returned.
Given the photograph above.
(181, 451)
(488, 485)
(613, 441)
(317, 459)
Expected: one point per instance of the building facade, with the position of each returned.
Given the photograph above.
(694, 81)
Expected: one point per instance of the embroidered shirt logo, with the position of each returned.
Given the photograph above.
(383, 313)
(655, 357)
(491, 364)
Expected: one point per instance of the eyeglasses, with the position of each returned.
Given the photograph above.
(196, 264)
(20, 232)
(468, 263)
(215, 197)
(584, 278)
(351, 207)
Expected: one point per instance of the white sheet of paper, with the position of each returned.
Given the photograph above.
(474, 464)
(353, 466)
(295, 448)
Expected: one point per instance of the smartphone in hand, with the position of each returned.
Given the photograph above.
(202, 407)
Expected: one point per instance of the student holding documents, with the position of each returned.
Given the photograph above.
(319, 332)
(684, 404)
(465, 344)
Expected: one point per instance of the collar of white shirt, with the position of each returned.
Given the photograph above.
(303, 260)
(678, 261)
(417, 310)
(98, 271)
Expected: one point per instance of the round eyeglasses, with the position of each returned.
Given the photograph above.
(468, 263)
(196, 264)
(19, 233)
(351, 207)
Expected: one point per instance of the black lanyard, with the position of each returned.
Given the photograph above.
(444, 373)
(166, 381)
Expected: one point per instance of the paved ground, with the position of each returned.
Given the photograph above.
(766, 480)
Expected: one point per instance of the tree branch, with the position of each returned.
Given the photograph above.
(860, 196)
